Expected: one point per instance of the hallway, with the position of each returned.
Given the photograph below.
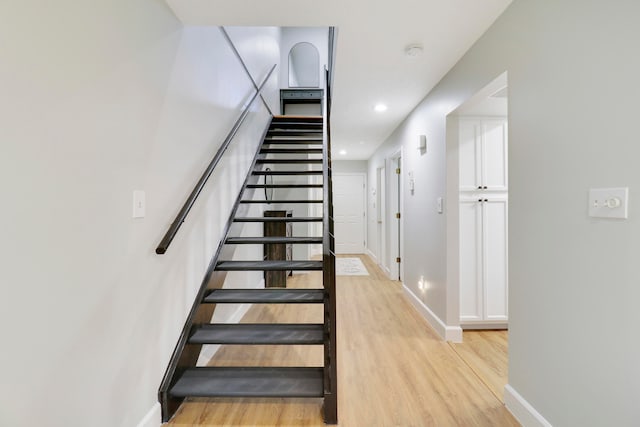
(393, 369)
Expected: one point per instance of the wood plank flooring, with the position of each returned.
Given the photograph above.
(485, 352)
(393, 369)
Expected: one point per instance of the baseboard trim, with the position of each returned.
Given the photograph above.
(484, 325)
(387, 271)
(522, 410)
(153, 417)
(448, 333)
(371, 255)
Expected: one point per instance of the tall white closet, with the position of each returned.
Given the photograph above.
(483, 222)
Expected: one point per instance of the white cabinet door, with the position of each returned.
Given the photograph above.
(483, 154)
(483, 259)
(494, 235)
(483, 220)
(494, 152)
(471, 293)
(470, 155)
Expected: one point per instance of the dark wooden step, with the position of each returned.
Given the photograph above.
(292, 201)
(268, 265)
(264, 296)
(284, 185)
(291, 151)
(290, 161)
(282, 124)
(272, 240)
(292, 142)
(314, 138)
(249, 382)
(285, 173)
(285, 132)
(283, 118)
(258, 334)
(278, 219)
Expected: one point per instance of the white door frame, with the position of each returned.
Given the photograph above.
(395, 189)
(381, 220)
(364, 202)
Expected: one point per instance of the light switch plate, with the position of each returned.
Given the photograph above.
(609, 202)
(139, 204)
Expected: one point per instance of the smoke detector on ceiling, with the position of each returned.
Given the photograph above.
(413, 50)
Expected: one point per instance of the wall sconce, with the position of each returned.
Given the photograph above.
(422, 144)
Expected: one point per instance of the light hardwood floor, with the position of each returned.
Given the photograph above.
(485, 352)
(393, 369)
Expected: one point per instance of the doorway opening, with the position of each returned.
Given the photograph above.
(477, 229)
(477, 185)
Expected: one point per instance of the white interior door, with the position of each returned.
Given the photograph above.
(471, 272)
(495, 259)
(349, 212)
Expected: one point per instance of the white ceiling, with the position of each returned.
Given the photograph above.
(370, 65)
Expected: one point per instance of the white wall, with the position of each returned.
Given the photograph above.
(573, 280)
(99, 99)
(349, 166)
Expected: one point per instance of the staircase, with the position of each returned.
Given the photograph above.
(289, 141)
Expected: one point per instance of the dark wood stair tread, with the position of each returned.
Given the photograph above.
(284, 186)
(287, 161)
(291, 117)
(249, 382)
(291, 150)
(286, 173)
(278, 219)
(290, 141)
(259, 334)
(265, 296)
(294, 131)
(294, 123)
(276, 138)
(262, 240)
(268, 265)
(280, 201)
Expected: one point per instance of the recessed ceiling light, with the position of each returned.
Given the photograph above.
(343, 152)
(380, 108)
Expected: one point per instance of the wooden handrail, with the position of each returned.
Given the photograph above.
(182, 215)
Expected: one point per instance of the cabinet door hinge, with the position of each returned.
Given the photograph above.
(398, 215)
(398, 259)
(398, 171)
